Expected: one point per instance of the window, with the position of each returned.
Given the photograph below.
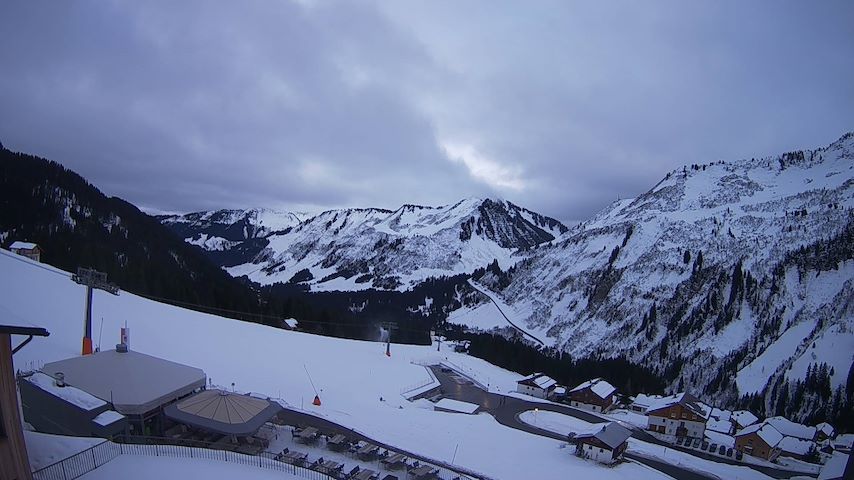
(672, 414)
(684, 415)
(601, 451)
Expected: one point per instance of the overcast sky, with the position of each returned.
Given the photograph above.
(561, 106)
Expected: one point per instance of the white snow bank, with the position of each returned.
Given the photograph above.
(133, 467)
(45, 449)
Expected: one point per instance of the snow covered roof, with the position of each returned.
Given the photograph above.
(133, 382)
(721, 414)
(600, 387)
(844, 440)
(72, 395)
(612, 434)
(792, 429)
(795, 445)
(719, 438)
(291, 322)
(108, 417)
(644, 400)
(744, 418)
(538, 380)
(457, 406)
(690, 402)
(560, 390)
(834, 469)
(722, 426)
(23, 245)
(766, 432)
(826, 429)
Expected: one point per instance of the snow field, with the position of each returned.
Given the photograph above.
(350, 376)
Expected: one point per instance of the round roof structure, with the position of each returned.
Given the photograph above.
(223, 412)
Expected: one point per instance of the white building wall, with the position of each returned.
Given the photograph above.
(693, 429)
(529, 390)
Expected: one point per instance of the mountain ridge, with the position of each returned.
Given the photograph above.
(360, 247)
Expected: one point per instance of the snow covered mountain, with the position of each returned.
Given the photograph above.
(231, 237)
(731, 277)
(355, 249)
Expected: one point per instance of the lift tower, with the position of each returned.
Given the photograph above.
(92, 279)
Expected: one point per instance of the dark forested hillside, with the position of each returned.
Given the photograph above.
(78, 226)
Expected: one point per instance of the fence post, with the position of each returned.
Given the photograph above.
(94, 463)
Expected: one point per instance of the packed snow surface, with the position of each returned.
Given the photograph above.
(45, 449)
(350, 376)
(139, 467)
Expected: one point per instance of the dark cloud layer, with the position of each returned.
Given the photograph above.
(561, 107)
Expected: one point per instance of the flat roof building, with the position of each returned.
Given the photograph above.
(134, 385)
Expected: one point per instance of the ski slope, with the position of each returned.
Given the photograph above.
(351, 376)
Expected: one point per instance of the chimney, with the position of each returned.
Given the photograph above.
(59, 379)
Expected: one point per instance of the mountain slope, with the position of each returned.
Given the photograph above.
(705, 273)
(356, 249)
(231, 237)
(77, 225)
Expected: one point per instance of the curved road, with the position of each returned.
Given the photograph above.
(506, 410)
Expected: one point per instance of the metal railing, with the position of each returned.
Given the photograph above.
(96, 456)
(80, 463)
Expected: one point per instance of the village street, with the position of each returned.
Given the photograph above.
(506, 410)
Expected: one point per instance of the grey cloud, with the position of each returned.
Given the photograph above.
(191, 105)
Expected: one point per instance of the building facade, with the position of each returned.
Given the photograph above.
(596, 395)
(27, 249)
(759, 440)
(681, 415)
(536, 385)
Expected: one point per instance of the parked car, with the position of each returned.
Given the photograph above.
(729, 452)
(696, 443)
(722, 450)
(713, 448)
(738, 455)
(704, 446)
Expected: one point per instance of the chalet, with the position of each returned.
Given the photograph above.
(27, 249)
(791, 429)
(743, 418)
(641, 402)
(605, 445)
(537, 385)
(680, 415)
(759, 440)
(824, 431)
(14, 461)
(597, 395)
